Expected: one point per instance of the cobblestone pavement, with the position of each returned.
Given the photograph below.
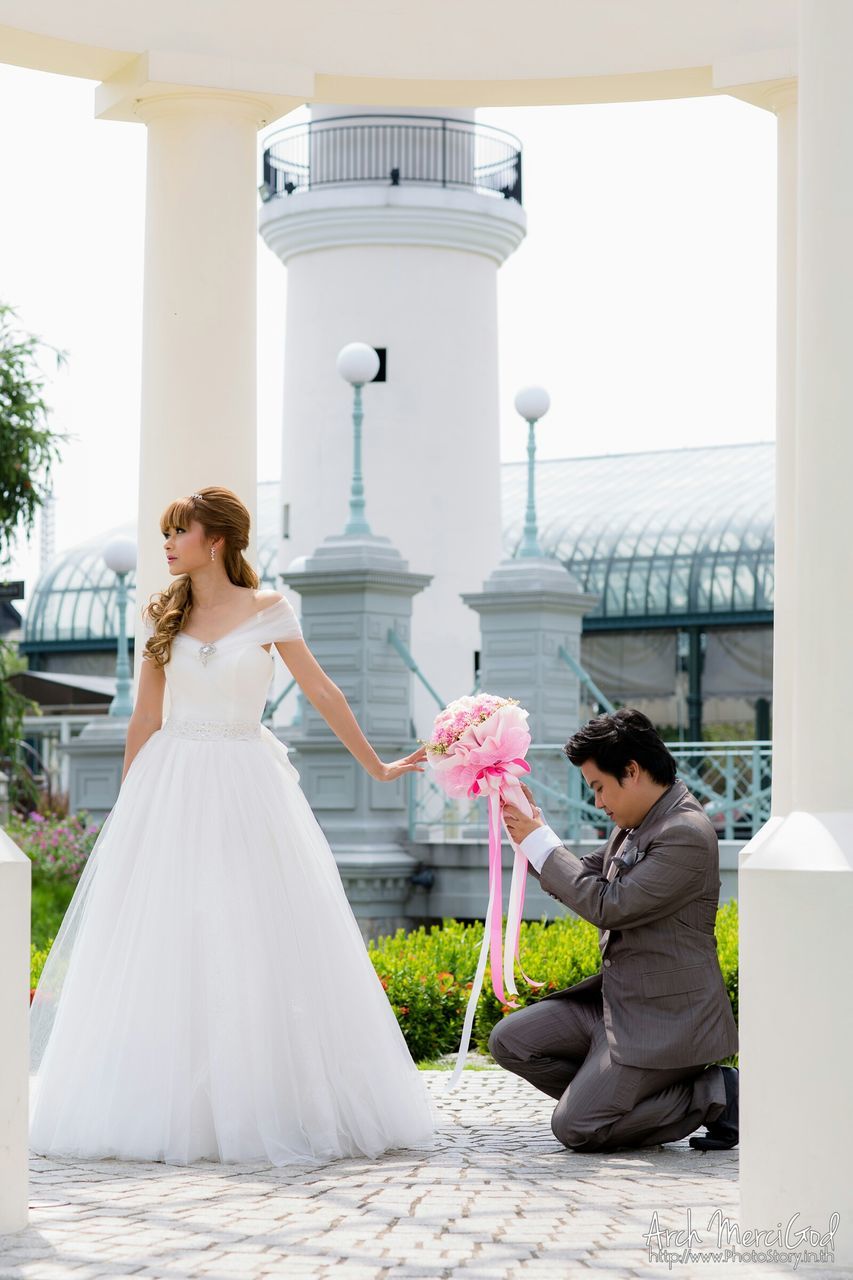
(497, 1198)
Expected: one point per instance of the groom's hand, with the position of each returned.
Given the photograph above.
(518, 824)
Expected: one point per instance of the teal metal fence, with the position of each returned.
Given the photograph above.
(731, 779)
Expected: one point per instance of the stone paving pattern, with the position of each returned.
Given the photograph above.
(497, 1198)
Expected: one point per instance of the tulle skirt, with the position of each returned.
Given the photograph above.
(209, 994)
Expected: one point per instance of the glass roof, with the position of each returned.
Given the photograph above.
(675, 532)
(75, 598)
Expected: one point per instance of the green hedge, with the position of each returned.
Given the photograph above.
(37, 959)
(726, 934)
(428, 974)
(50, 902)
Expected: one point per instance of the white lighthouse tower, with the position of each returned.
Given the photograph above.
(392, 227)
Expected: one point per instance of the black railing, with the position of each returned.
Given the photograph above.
(395, 150)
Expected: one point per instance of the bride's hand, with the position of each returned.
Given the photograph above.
(408, 764)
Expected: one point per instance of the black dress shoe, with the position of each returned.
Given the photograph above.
(722, 1133)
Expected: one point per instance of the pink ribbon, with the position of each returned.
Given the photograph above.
(493, 780)
(498, 781)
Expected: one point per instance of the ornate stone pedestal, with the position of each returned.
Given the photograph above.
(355, 589)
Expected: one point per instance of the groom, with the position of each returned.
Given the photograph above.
(625, 1052)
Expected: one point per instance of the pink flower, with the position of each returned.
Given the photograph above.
(488, 752)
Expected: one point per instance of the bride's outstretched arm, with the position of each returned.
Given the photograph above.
(330, 702)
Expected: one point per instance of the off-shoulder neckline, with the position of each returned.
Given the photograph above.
(275, 604)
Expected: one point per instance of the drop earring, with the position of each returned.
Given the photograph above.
(212, 553)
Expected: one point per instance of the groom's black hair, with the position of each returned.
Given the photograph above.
(612, 740)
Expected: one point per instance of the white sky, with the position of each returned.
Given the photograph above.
(643, 297)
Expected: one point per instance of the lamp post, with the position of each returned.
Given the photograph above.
(120, 556)
(357, 585)
(357, 363)
(532, 403)
(531, 610)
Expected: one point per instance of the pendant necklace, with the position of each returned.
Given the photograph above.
(205, 651)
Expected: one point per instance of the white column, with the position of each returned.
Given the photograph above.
(796, 882)
(14, 1047)
(825, 407)
(783, 101)
(199, 355)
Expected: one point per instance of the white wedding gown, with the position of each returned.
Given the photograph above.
(209, 994)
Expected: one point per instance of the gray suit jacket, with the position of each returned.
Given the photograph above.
(665, 1002)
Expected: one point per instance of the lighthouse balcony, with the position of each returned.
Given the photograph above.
(393, 150)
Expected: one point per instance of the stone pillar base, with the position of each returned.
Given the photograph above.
(796, 1017)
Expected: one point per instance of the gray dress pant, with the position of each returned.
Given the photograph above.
(561, 1047)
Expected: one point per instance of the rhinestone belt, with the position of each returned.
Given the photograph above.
(212, 728)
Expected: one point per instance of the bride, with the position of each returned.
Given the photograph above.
(209, 994)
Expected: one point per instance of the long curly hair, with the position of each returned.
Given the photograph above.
(220, 512)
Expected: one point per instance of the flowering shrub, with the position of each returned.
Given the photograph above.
(725, 930)
(57, 848)
(37, 959)
(427, 977)
(428, 973)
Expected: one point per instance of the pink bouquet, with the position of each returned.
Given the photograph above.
(477, 748)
